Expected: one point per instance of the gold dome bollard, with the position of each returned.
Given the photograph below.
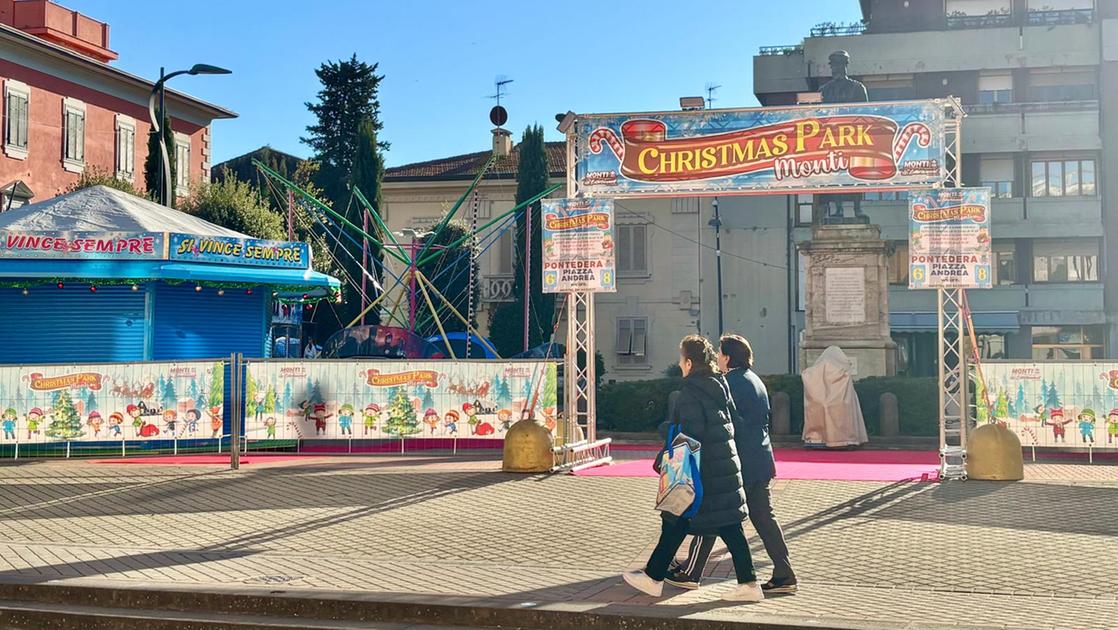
(528, 448)
(994, 454)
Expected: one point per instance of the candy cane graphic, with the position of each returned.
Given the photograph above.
(1032, 433)
(923, 138)
(606, 134)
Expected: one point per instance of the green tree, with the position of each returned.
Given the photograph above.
(1001, 407)
(449, 272)
(151, 163)
(508, 320)
(365, 174)
(549, 397)
(170, 397)
(1052, 400)
(270, 400)
(981, 411)
(235, 205)
(402, 419)
(66, 424)
(348, 97)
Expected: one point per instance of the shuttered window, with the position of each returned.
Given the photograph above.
(632, 249)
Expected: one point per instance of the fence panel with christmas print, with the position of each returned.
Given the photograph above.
(112, 402)
(356, 400)
(1050, 404)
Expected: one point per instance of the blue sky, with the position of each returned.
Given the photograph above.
(440, 59)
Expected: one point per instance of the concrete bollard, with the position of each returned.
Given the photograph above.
(781, 413)
(890, 415)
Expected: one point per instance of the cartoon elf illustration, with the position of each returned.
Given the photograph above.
(1112, 426)
(1041, 415)
(450, 421)
(191, 418)
(431, 419)
(134, 412)
(115, 420)
(371, 417)
(33, 418)
(259, 405)
(320, 417)
(9, 423)
(504, 416)
(1087, 425)
(345, 418)
(95, 422)
(471, 417)
(1059, 424)
(170, 420)
(270, 427)
(217, 423)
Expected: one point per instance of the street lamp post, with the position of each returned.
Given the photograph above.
(156, 123)
(716, 223)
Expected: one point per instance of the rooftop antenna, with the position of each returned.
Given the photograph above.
(711, 89)
(501, 81)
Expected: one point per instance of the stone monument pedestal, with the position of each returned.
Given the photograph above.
(847, 297)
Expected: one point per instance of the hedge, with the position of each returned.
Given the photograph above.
(640, 406)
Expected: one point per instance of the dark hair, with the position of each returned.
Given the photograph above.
(700, 352)
(738, 350)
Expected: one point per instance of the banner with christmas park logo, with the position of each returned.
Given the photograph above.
(1066, 404)
(111, 402)
(343, 400)
(949, 243)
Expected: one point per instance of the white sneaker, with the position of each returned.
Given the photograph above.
(640, 581)
(749, 592)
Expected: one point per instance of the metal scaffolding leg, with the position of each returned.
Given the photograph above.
(954, 417)
(580, 447)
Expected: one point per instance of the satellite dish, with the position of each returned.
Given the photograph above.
(498, 115)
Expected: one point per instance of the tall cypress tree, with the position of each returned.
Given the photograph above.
(151, 163)
(365, 175)
(507, 322)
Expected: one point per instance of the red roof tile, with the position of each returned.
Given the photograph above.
(466, 166)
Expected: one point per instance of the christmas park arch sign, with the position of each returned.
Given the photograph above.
(769, 150)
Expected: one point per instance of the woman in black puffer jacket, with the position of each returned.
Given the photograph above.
(703, 410)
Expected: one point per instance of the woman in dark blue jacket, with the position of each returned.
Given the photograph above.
(703, 410)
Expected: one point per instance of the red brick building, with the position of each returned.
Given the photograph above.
(66, 110)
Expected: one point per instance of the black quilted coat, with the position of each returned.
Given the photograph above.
(703, 410)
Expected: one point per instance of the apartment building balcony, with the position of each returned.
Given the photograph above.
(934, 50)
(497, 288)
(1013, 127)
(1017, 217)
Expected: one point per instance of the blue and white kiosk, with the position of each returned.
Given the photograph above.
(101, 275)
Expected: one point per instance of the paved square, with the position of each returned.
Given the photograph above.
(1036, 554)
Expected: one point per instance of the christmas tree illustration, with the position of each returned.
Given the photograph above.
(270, 400)
(1001, 408)
(66, 424)
(401, 416)
(981, 412)
(428, 399)
(550, 385)
(170, 397)
(217, 385)
(287, 396)
(1022, 402)
(503, 395)
(1052, 399)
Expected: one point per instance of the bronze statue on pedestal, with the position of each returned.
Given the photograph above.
(840, 89)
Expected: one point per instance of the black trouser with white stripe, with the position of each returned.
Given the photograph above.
(759, 502)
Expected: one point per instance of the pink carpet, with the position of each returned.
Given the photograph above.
(816, 465)
(188, 460)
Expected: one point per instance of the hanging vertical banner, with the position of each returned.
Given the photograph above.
(578, 246)
(949, 239)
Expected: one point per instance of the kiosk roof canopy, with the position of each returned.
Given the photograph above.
(104, 209)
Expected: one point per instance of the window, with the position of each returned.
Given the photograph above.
(632, 337)
(991, 346)
(804, 205)
(632, 248)
(1066, 260)
(17, 99)
(887, 195)
(1005, 262)
(73, 135)
(182, 164)
(125, 147)
(995, 88)
(897, 265)
(996, 173)
(1067, 177)
(1067, 343)
(504, 252)
(889, 87)
(1058, 85)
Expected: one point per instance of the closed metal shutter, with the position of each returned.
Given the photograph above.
(193, 324)
(72, 324)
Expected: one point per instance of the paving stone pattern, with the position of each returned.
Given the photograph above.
(1037, 554)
